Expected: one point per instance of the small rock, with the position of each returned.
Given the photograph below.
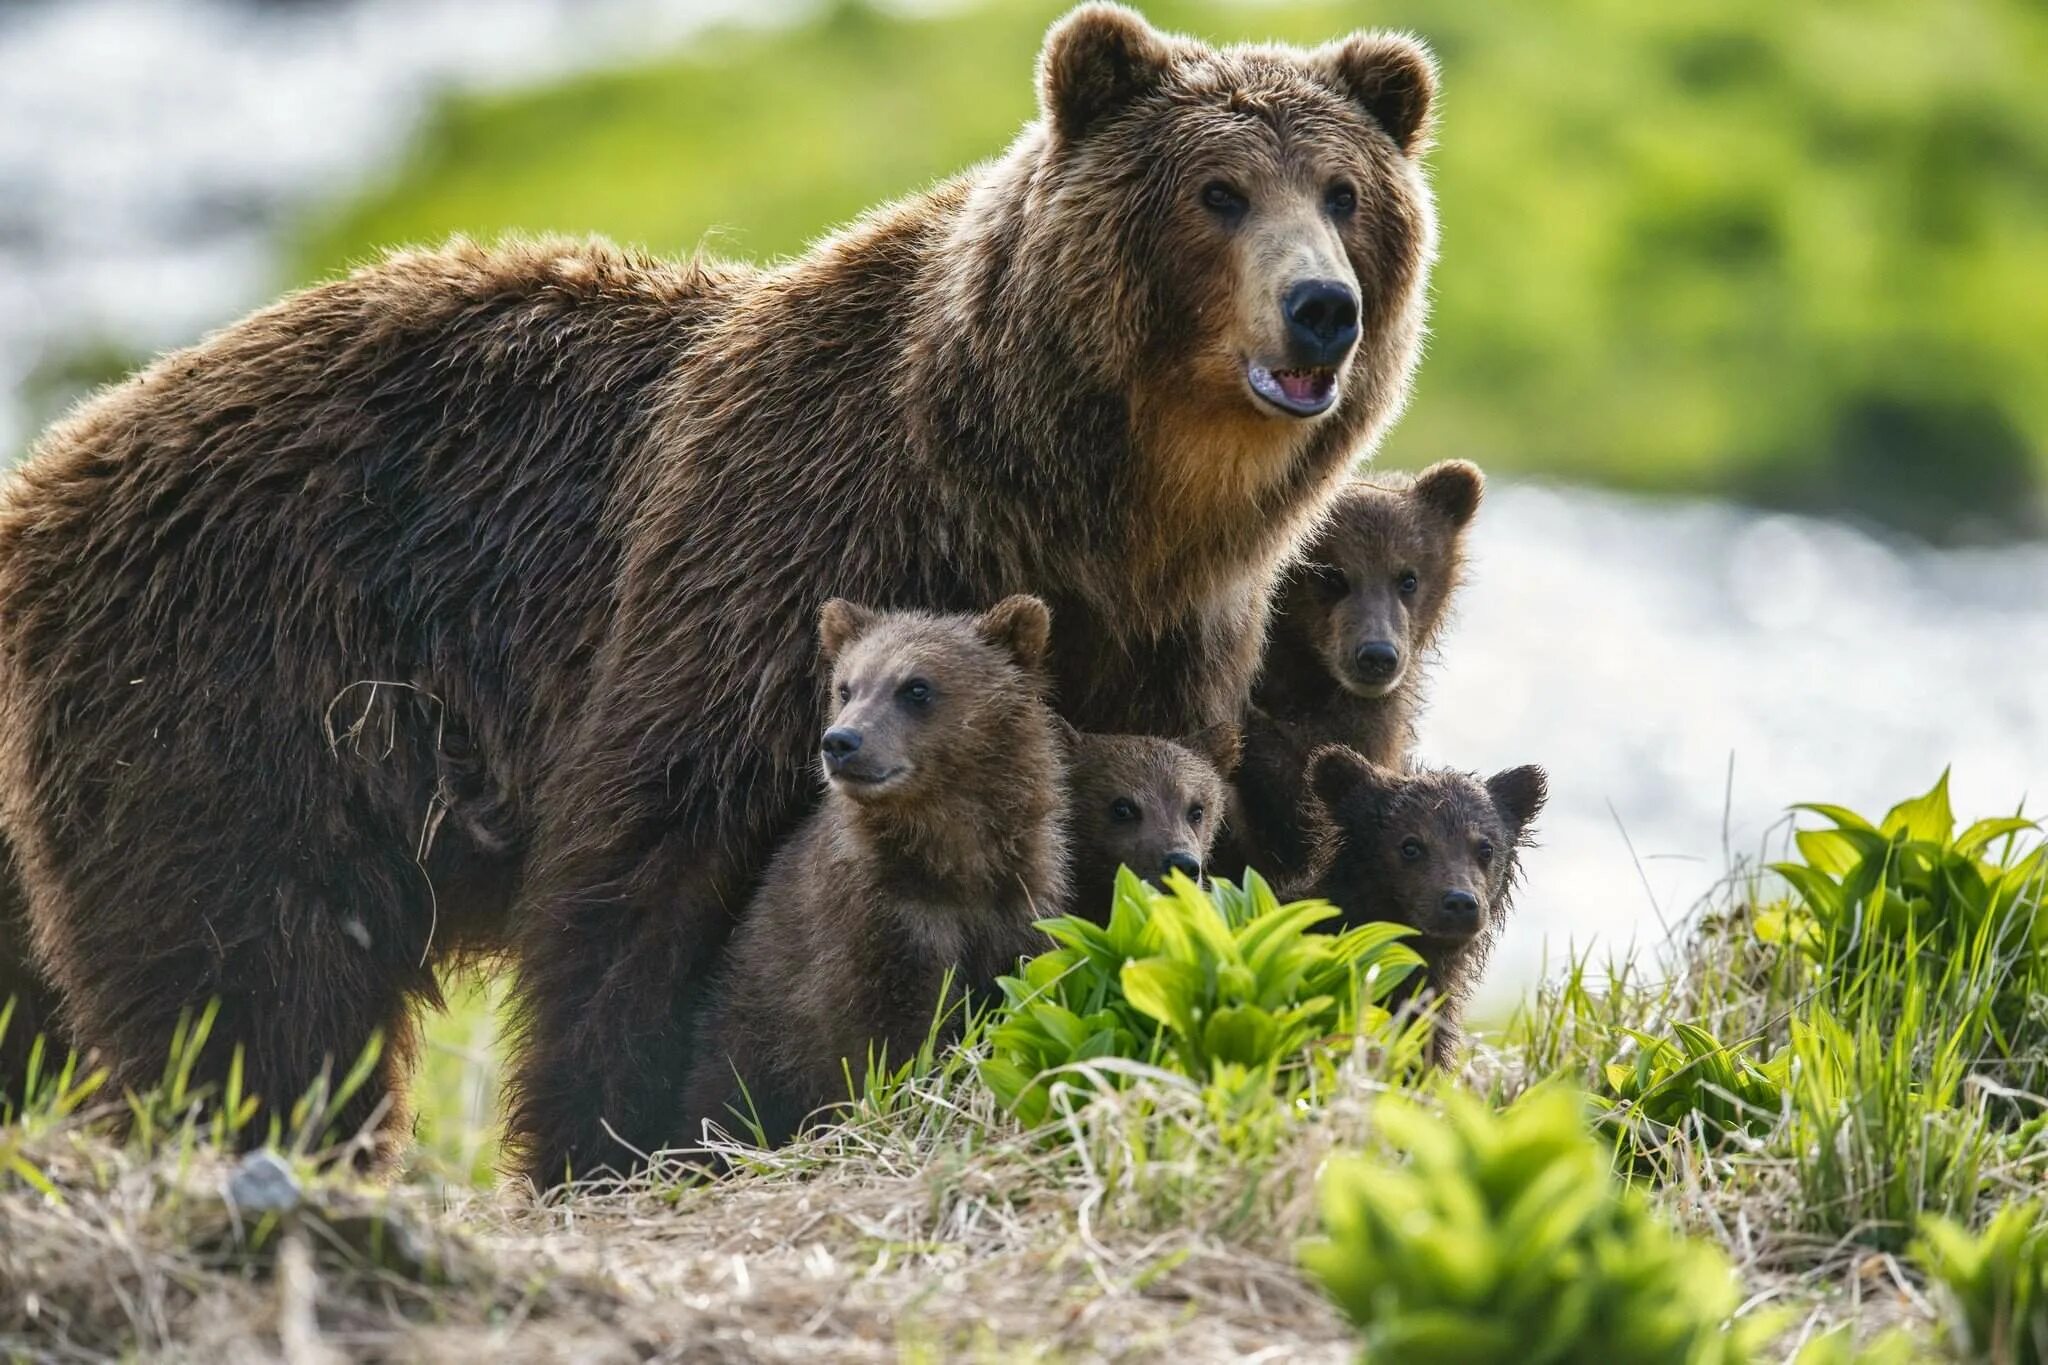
(263, 1183)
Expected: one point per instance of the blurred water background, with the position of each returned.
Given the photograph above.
(1748, 313)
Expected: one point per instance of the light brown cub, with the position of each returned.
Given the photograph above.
(938, 844)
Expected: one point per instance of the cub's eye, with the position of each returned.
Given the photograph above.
(1484, 852)
(917, 692)
(1341, 200)
(1411, 850)
(1123, 810)
(1195, 814)
(1408, 583)
(1224, 200)
(845, 692)
(1330, 579)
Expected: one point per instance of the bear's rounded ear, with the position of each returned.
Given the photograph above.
(1066, 735)
(1336, 772)
(1020, 624)
(1451, 488)
(1518, 794)
(1393, 78)
(1095, 61)
(840, 623)
(1221, 743)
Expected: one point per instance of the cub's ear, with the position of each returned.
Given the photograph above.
(1336, 773)
(1222, 744)
(1066, 735)
(1391, 77)
(1095, 61)
(840, 623)
(1518, 794)
(1020, 624)
(1451, 488)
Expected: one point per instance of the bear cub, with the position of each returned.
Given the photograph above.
(938, 844)
(1435, 850)
(1354, 623)
(1152, 805)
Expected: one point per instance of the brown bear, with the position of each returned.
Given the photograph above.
(938, 845)
(547, 527)
(1435, 850)
(1152, 805)
(27, 1009)
(1354, 625)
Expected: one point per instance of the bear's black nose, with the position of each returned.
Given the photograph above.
(1187, 864)
(1461, 908)
(1376, 660)
(1322, 321)
(840, 743)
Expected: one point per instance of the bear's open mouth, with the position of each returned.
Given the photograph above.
(1298, 393)
(864, 780)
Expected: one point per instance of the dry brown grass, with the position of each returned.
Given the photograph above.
(930, 1231)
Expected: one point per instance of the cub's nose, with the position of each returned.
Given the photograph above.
(840, 743)
(1377, 660)
(1187, 864)
(1322, 321)
(1461, 910)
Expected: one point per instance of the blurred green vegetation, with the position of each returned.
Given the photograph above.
(1788, 250)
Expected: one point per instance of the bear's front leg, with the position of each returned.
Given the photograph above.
(610, 980)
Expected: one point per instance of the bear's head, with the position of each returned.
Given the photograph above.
(1371, 592)
(1240, 234)
(1152, 805)
(926, 709)
(1435, 850)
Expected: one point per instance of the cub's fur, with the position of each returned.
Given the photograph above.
(938, 844)
(1436, 850)
(1152, 805)
(1354, 626)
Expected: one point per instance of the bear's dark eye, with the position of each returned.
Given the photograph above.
(917, 692)
(1195, 814)
(845, 692)
(1224, 200)
(1411, 850)
(1123, 810)
(1484, 852)
(1329, 579)
(1341, 200)
(1408, 583)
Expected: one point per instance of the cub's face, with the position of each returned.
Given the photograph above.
(1371, 593)
(919, 704)
(1434, 850)
(1251, 216)
(1152, 805)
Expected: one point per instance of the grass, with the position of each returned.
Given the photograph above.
(1768, 252)
(1791, 1139)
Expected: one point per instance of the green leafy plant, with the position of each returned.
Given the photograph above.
(1994, 1284)
(1220, 985)
(1691, 1080)
(1505, 1237)
(1913, 879)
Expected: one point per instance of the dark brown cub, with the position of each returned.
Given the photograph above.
(1435, 850)
(1152, 805)
(1354, 625)
(937, 846)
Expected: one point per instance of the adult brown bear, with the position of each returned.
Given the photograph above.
(469, 599)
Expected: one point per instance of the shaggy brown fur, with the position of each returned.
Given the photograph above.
(1436, 850)
(1354, 627)
(1152, 805)
(33, 1010)
(938, 845)
(540, 532)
